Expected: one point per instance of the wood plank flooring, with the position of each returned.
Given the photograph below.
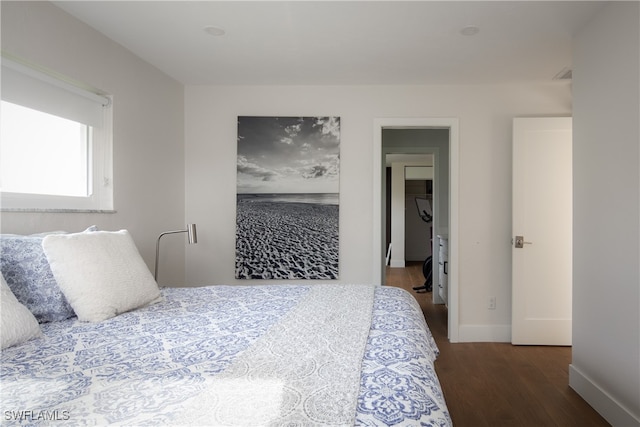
(498, 384)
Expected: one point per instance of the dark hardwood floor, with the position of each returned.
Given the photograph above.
(498, 384)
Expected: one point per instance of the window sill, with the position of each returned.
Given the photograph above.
(84, 211)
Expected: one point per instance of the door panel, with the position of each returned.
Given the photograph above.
(542, 215)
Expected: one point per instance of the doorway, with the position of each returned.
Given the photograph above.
(409, 223)
(448, 166)
(403, 148)
(409, 179)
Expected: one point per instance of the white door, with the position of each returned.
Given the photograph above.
(542, 231)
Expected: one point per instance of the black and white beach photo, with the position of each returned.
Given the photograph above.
(287, 197)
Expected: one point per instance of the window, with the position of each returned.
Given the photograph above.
(36, 146)
(55, 145)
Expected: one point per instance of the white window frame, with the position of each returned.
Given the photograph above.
(100, 173)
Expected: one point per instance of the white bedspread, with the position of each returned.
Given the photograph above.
(285, 378)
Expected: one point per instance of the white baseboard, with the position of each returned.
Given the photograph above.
(397, 263)
(484, 333)
(610, 409)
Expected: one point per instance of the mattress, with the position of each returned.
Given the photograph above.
(233, 355)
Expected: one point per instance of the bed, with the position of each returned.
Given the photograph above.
(272, 355)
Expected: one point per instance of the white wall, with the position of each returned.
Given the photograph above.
(148, 132)
(485, 114)
(397, 215)
(605, 368)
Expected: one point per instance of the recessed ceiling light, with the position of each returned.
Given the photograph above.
(470, 30)
(213, 31)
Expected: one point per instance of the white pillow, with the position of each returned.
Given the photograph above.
(17, 323)
(101, 274)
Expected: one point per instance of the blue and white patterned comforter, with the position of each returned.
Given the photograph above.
(145, 366)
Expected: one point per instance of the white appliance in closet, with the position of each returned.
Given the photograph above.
(443, 267)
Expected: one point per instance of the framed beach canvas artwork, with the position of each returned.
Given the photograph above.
(287, 198)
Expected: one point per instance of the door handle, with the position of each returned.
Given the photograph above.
(519, 242)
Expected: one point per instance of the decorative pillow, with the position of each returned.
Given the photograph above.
(27, 272)
(17, 324)
(101, 274)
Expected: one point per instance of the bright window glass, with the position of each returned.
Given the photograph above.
(43, 154)
(56, 148)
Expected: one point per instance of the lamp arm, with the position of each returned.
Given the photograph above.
(155, 274)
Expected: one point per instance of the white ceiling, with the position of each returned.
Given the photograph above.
(343, 42)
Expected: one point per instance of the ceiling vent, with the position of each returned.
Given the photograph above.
(565, 74)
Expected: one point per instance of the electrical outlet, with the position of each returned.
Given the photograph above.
(491, 303)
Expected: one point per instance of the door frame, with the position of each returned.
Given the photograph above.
(378, 167)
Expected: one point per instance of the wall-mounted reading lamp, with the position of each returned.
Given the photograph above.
(192, 237)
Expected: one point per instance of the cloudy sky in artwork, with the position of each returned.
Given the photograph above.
(288, 154)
